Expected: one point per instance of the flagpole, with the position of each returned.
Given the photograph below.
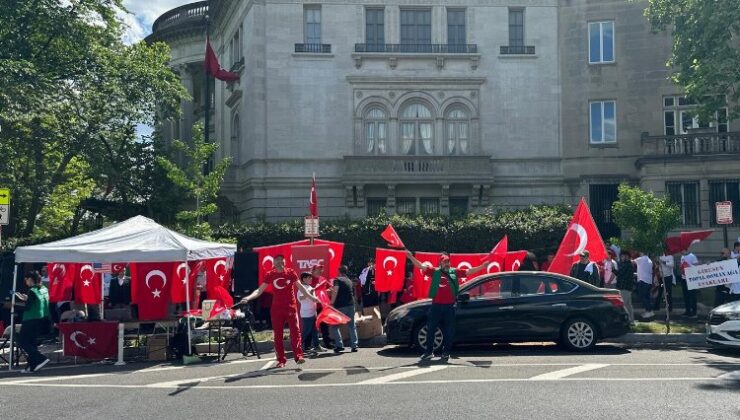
(207, 88)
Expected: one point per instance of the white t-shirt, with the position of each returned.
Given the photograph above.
(666, 266)
(308, 306)
(644, 269)
(734, 254)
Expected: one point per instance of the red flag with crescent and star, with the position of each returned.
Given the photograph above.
(390, 270)
(153, 283)
(313, 200)
(331, 316)
(514, 260)
(422, 282)
(466, 262)
(178, 291)
(499, 250)
(61, 281)
(91, 340)
(218, 273)
(390, 236)
(213, 68)
(88, 286)
(582, 235)
(336, 253)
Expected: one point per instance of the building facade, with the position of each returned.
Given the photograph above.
(417, 107)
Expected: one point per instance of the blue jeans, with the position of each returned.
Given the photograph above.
(445, 314)
(338, 343)
(643, 290)
(309, 334)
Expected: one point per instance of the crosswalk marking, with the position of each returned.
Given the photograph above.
(563, 373)
(402, 375)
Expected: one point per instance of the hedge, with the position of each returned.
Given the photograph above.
(538, 229)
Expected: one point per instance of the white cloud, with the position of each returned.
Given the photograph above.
(142, 13)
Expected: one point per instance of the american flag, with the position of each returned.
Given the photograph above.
(101, 268)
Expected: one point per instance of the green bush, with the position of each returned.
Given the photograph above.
(538, 229)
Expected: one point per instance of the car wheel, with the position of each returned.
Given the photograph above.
(420, 338)
(578, 334)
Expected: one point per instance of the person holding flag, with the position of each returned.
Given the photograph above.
(284, 282)
(443, 292)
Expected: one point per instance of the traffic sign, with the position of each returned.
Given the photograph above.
(311, 227)
(4, 214)
(724, 212)
(4, 196)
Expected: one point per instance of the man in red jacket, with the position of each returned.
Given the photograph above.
(284, 308)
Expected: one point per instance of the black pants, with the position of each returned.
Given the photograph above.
(668, 285)
(689, 298)
(444, 314)
(28, 340)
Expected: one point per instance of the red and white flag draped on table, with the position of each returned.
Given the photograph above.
(88, 285)
(331, 316)
(421, 281)
(266, 256)
(153, 283)
(390, 236)
(514, 260)
(91, 340)
(466, 262)
(676, 244)
(313, 199)
(61, 281)
(390, 270)
(178, 290)
(582, 235)
(213, 68)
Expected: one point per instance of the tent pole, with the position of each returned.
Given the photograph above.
(12, 318)
(187, 306)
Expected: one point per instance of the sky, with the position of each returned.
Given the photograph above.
(143, 13)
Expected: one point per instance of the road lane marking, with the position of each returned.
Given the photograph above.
(402, 375)
(54, 378)
(268, 365)
(563, 373)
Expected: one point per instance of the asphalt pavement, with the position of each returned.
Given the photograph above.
(513, 382)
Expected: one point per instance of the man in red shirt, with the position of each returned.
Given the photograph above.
(284, 307)
(443, 291)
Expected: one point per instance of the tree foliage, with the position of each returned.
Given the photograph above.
(71, 97)
(706, 52)
(645, 218)
(203, 188)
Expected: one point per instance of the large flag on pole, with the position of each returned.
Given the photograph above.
(582, 235)
(213, 67)
(313, 199)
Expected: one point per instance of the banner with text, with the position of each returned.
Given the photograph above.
(305, 257)
(714, 274)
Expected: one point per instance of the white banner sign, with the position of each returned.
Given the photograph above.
(714, 274)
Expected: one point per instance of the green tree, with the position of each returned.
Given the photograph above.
(706, 52)
(203, 188)
(645, 218)
(71, 96)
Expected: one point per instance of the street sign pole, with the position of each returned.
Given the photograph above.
(723, 212)
(4, 211)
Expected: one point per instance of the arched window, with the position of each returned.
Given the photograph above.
(235, 137)
(375, 131)
(457, 122)
(417, 132)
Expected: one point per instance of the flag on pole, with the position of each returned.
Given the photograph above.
(213, 67)
(313, 200)
(582, 235)
(390, 236)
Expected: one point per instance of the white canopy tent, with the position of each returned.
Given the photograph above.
(138, 239)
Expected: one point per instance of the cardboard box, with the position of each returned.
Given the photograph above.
(369, 328)
(156, 347)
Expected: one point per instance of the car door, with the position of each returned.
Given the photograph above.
(482, 317)
(540, 305)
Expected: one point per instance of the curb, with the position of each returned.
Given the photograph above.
(651, 338)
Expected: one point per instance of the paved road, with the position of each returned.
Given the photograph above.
(512, 382)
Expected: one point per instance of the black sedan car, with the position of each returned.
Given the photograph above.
(520, 306)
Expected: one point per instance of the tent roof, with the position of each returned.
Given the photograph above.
(138, 239)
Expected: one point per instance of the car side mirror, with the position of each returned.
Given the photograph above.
(463, 297)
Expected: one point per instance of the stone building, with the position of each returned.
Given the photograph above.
(418, 107)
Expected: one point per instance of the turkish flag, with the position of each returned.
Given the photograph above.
(153, 282)
(581, 235)
(322, 295)
(61, 281)
(331, 316)
(390, 270)
(213, 68)
(336, 253)
(496, 263)
(218, 273)
(313, 199)
(178, 291)
(91, 340)
(422, 282)
(514, 260)
(88, 286)
(390, 236)
(466, 262)
(693, 237)
(673, 245)
(499, 250)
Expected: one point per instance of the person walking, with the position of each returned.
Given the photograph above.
(586, 270)
(343, 299)
(688, 259)
(284, 308)
(35, 320)
(644, 283)
(443, 292)
(626, 282)
(309, 333)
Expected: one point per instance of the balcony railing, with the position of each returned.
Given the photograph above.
(193, 12)
(418, 48)
(416, 167)
(691, 144)
(313, 48)
(517, 49)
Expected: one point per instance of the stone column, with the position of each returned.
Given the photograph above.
(392, 25)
